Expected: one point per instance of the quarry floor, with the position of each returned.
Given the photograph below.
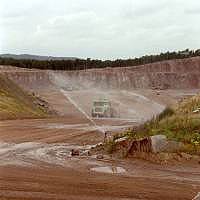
(35, 160)
(35, 163)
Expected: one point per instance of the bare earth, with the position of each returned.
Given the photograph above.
(35, 160)
(36, 164)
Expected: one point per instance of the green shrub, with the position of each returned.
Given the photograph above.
(167, 112)
(196, 139)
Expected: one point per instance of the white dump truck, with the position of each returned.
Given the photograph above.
(102, 108)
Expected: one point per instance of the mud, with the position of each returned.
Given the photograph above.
(32, 153)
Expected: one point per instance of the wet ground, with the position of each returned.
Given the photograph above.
(35, 163)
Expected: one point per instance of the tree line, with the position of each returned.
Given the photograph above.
(82, 64)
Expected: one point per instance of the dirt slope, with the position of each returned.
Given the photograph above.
(15, 103)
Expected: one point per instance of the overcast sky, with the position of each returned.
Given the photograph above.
(104, 29)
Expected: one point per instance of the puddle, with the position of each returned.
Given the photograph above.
(109, 169)
(29, 153)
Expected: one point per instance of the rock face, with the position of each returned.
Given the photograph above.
(153, 144)
(29, 79)
(160, 143)
(173, 74)
(141, 145)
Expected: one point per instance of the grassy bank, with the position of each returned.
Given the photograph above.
(180, 123)
(16, 103)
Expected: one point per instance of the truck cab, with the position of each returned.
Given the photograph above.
(101, 108)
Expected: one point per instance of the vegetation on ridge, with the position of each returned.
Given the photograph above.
(81, 64)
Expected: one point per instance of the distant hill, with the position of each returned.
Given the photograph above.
(35, 57)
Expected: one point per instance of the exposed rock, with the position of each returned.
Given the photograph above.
(122, 146)
(173, 146)
(140, 145)
(154, 144)
(159, 143)
(170, 74)
(122, 139)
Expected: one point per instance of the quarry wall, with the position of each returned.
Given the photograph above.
(173, 74)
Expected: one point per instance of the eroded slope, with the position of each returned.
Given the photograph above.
(15, 103)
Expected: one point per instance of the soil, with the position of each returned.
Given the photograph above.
(35, 163)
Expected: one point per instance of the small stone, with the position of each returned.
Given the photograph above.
(186, 156)
(75, 152)
(100, 156)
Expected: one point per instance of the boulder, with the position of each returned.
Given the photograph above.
(159, 143)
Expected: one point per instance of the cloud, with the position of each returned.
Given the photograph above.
(195, 11)
(98, 29)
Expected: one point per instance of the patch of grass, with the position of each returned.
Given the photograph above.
(15, 103)
(167, 112)
(189, 105)
(180, 125)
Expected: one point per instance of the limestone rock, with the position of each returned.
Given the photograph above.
(159, 143)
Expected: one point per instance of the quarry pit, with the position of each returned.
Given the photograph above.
(35, 153)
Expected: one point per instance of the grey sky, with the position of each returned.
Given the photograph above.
(98, 28)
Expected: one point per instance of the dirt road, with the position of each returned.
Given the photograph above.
(35, 163)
